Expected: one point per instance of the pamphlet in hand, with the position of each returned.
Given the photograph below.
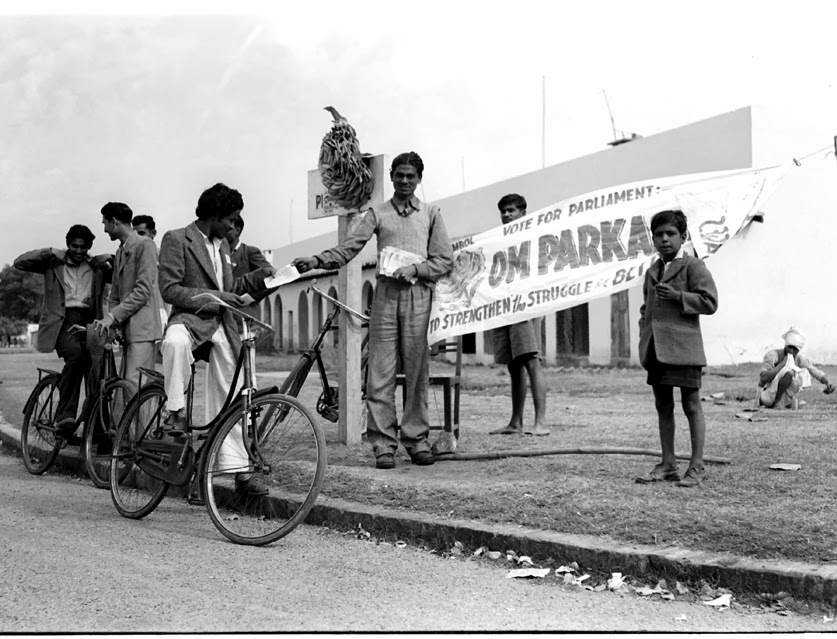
(284, 275)
(393, 258)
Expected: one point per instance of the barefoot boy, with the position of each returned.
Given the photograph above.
(518, 346)
(677, 290)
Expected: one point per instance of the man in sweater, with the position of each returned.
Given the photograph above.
(400, 310)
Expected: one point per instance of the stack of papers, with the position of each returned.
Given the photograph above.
(393, 258)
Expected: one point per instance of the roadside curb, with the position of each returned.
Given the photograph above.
(803, 581)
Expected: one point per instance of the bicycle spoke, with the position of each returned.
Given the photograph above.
(287, 461)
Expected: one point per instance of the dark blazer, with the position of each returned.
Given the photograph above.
(50, 262)
(134, 300)
(246, 259)
(186, 270)
(675, 326)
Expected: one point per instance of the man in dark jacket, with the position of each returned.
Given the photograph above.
(73, 297)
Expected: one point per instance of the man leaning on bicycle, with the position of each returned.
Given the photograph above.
(73, 297)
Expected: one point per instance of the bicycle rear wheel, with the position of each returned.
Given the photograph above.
(135, 493)
(38, 442)
(288, 457)
(100, 430)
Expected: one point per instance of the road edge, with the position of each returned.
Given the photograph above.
(804, 581)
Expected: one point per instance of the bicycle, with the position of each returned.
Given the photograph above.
(258, 433)
(328, 402)
(41, 441)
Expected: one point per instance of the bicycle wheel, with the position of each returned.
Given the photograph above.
(288, 458)
(136, 493)
(37, 437)
(294, 381)
(100, 430)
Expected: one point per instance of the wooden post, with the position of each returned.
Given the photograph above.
(349, 283)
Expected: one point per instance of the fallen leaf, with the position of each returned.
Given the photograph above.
(615, 582)
(400, 544)
(574, 566)
(568, 578)
(717, 395)
(494, 554)
(527, 572)
(785, 467)
(680, 588)
(645, 591)
(578, 580)
(722, 601)
(784, 613)
(561, 569)
(480, 551)
(525, 560)
(667, 596)
(458, 544)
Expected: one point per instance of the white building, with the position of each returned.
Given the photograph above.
(779, 274)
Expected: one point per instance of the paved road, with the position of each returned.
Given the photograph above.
(71, 564)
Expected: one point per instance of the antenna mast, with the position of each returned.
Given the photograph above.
(610, 113)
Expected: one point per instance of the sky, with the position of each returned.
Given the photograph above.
(151, 103)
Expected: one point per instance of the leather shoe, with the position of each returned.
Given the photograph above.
(385, 461)
(423, 458)
(250, 485)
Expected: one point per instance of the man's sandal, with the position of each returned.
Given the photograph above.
(660, 473)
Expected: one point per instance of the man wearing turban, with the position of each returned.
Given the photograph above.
(784, 372)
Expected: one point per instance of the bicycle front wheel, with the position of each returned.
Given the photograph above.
(135, 493)
(100, 430)
(264, 470)
(37, 437)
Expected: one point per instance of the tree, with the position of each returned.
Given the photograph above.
(21, 294)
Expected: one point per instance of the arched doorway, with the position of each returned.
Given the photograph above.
(367, 294)
(266, 314)
(278, 321)
(302, 320)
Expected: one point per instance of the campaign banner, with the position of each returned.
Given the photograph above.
(587, 247)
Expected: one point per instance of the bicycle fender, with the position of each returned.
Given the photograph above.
(31, 398)
(161, 461)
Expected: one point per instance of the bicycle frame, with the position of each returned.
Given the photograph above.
(236, 402)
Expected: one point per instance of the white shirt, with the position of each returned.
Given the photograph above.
(679, 256)
(213, 247)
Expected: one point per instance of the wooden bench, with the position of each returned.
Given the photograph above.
(450, 385)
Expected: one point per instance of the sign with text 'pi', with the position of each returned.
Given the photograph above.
(321, 204)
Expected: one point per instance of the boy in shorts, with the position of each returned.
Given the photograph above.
(677, 290)
(518, 346)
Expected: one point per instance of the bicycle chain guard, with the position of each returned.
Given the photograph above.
(159, 459)
(329, 411)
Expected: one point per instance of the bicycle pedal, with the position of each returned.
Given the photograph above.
(195, 500)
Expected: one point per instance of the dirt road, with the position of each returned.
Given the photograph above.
(71, 564)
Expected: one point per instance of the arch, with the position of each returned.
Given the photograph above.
(278, 323)
(266, 313)
(335, 335)
(366, 296)
(302, 320)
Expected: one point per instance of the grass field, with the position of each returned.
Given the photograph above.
(743, 508)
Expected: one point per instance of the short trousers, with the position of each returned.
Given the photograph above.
(516, 340)
(661, 374)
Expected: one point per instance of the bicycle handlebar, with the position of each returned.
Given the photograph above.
(244, 316)
(340, 305)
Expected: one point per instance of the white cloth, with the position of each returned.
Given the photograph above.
(794, 338)
(177, 363)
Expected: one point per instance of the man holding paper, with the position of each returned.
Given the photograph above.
(413, 252)
(194, 260)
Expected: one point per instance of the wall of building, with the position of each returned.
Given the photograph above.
(718, 143)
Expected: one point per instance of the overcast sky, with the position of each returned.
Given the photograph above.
(150, 108)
